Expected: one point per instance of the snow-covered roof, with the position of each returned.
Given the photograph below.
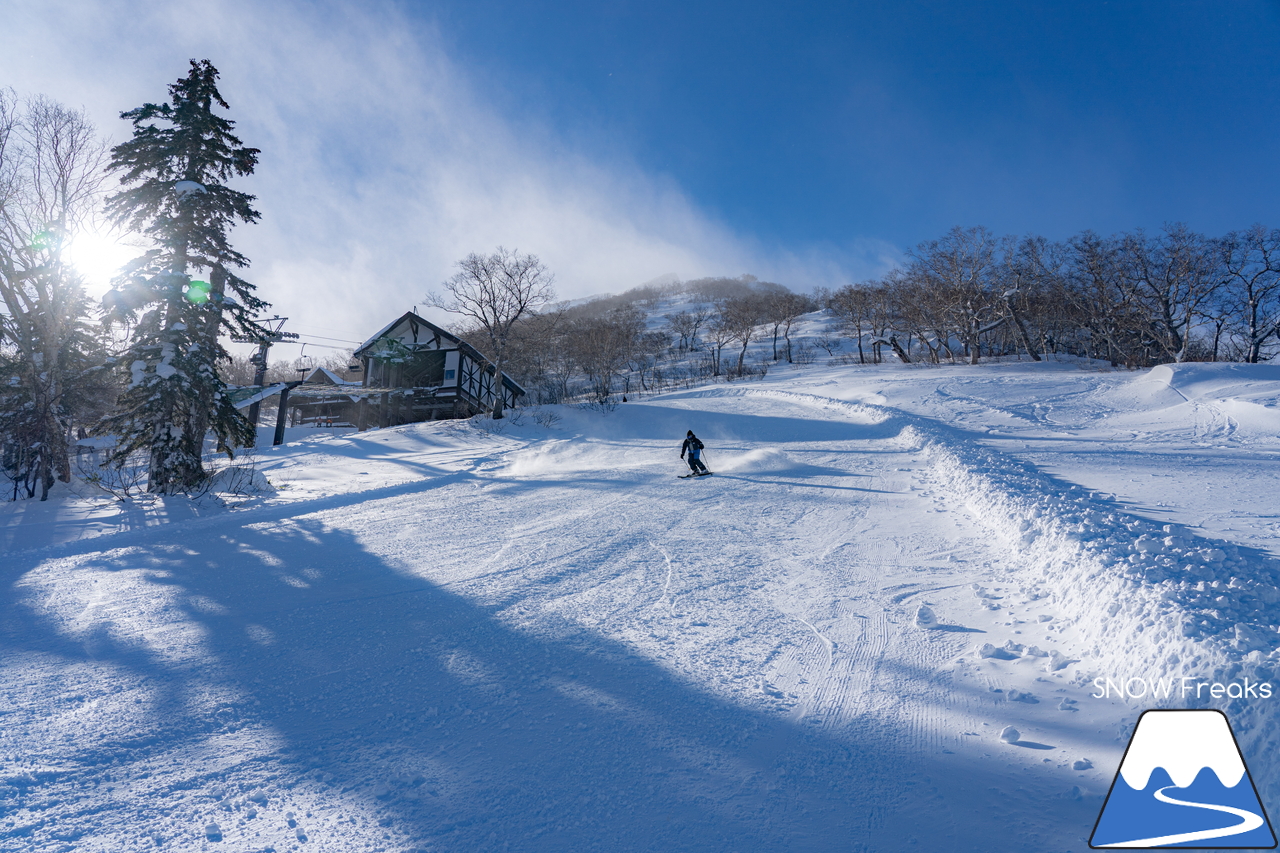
(246, 396)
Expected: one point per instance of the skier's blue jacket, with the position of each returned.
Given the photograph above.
(692, 446)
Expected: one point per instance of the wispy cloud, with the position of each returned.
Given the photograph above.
(383, 164)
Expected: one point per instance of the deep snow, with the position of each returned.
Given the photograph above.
(439, 637)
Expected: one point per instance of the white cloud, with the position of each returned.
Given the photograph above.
(381, 163)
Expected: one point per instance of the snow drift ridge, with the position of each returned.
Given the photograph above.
(1148, 599)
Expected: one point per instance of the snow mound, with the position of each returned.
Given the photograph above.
(1010, 735)
(1009, 651)
(1173, 395)
(576, 457)
(240, 480)
(1217, 381)
(1142, 591)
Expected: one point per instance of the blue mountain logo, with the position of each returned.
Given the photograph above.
(1183, 782)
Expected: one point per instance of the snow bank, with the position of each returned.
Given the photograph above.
(1148, 600)
(1181, 599)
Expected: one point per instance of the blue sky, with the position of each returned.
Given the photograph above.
(899, 120)
(806, 143)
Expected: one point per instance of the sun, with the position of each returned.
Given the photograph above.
(98, 258)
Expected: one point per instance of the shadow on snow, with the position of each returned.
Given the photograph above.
(466, 733)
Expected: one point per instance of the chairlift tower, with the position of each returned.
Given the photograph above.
(264, 341)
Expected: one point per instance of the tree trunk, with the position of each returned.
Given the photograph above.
(943, 343)
(176, 447)
(208, 337)
(1022, 331)
(497, 387)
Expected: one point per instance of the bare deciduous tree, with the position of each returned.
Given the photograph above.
(739, 317)
(852, 305)
(960, 271)
(51, 179)
(681, 324)
(495, 291)
(719, 333)
(1174, 277)
(780, 309)
(1250, 263)
(646, 353)
(538, 356)
(603, 345)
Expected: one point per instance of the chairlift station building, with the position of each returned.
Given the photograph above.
(413, 370)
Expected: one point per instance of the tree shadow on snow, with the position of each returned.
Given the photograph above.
(464, 732)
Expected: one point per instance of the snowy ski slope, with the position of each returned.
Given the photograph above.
(441, 638)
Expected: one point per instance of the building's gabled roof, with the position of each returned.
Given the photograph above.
(426, 330)
(325, 376)
(421, 330)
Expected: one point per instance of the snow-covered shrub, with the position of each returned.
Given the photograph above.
(545, 418)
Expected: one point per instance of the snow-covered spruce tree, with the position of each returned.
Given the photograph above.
(174, 171)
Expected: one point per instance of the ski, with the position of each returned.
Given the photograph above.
(687, 476)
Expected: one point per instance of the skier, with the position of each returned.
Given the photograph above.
(694, 449)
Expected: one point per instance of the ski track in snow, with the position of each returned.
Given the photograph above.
(542, 641)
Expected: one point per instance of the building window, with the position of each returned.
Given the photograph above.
(449, 374)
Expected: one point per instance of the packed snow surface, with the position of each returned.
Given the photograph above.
(443, 637)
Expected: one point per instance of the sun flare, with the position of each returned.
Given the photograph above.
(98, 258)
